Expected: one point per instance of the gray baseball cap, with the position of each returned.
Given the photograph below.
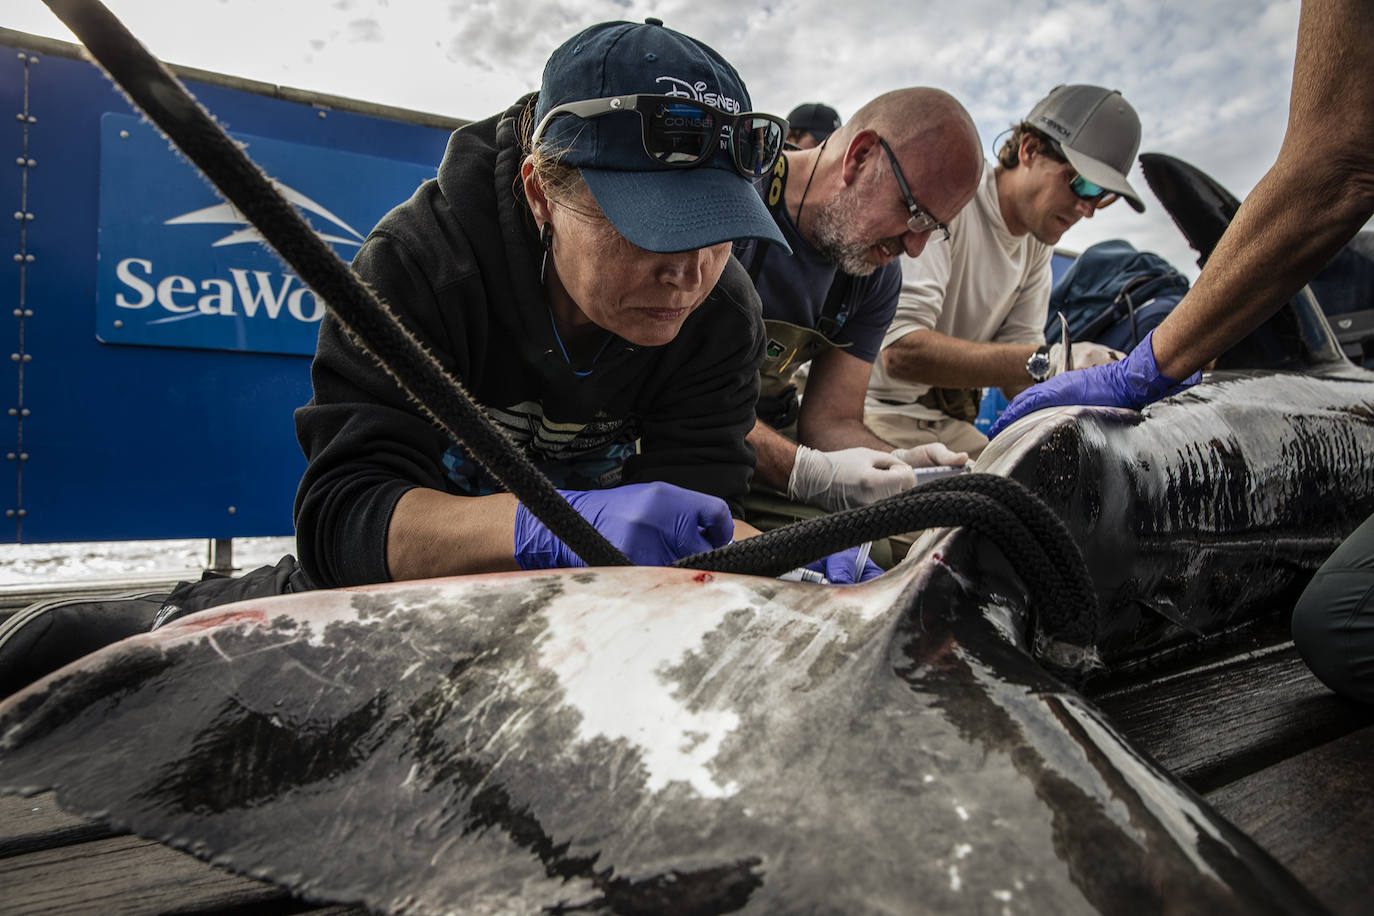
(1099, 132)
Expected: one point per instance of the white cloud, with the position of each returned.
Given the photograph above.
(1210, 80)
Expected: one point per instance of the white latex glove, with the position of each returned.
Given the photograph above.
(936, 454)
(847, 478)
(1082, 354)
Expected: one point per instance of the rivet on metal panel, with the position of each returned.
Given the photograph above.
(233, 511)
(10, 456)
(19, 117)
(18, 258)
(323, 115)
(28, 313)
(31, 119)
(23, 456)
(23, 56)
(123, 135)
(25, 412)
(29, 259)
(14, 357)
(14, 412)
(28, 216)
(28, 357)
(9, 513)
(118, 323)
(31, 163)
(18, 313)
(20, 161)
(18, 214)
(22, 512)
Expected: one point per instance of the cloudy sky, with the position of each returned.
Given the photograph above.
(1209, 78)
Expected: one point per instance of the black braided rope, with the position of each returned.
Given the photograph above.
(442, 398)
(1030, 535)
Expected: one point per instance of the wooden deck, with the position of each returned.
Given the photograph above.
(1242, 722)
(1249, 728)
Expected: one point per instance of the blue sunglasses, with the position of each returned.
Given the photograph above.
(1082, 188)
(1085, 190)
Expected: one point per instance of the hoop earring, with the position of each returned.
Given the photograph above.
(545, 239)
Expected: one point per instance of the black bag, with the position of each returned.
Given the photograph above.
(214, 589)
(1114, 295)
(49, 634)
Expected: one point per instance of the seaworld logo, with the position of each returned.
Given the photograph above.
(228, 213)
(681, 89)
(178, 267)
(245, 292)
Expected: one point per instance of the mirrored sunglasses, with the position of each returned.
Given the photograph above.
(681, 133)
(1086, 190)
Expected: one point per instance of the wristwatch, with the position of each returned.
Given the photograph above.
(1038, 365)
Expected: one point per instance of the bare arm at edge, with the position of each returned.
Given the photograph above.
(1317, 195)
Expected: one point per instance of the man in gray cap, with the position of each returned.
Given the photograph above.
(972, 311)
(810, 123)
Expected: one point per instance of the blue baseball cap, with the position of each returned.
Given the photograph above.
(654, 206)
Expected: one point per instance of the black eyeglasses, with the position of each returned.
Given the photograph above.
(681, 133)
(921, 219)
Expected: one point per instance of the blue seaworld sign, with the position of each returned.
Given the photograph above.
(180, 267)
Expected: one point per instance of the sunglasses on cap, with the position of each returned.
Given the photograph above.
(681, 133)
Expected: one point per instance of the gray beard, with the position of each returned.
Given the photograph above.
(832, 237)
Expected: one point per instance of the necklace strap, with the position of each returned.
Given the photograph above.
(801, 203)
(580, 373)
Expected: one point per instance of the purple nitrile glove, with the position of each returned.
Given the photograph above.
(840, 568)
(1132, 382)
(654, 524)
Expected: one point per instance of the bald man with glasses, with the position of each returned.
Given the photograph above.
(883, 186)
(972, 311)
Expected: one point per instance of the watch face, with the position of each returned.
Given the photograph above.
(1038, 366)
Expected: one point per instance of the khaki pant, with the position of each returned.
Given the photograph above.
(907, 432)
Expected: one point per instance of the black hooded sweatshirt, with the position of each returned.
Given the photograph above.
(460, 263)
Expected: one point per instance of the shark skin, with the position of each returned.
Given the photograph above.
(635, 741)
(653, 740)
(1205, 511)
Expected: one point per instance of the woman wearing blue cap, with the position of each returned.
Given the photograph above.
(571, 266)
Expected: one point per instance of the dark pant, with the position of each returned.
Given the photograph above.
(1333, 623)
